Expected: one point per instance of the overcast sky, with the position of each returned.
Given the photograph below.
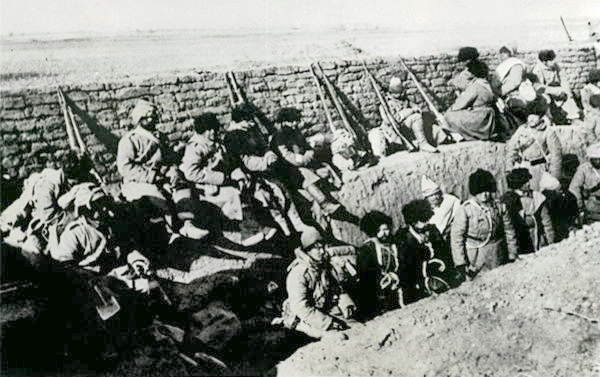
(118, 16)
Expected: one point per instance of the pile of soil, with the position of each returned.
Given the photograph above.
(537, 317)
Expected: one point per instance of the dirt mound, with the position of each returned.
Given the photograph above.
(536, 317)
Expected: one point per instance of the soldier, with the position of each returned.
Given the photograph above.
(426, 265)
(562, 205)
(27, 218)
(528, 212)
(592, 116)
(555, 90)
(444, 206)
(591, 88)
(482, 235)
(585, 185)
(410, 118)
(378, 266)
(346, 156)
(472, 116)
(535, 146)
(465, 56)
(258, 166)
(300, 168)
(315, 300)
(148, 170)
(512, 86)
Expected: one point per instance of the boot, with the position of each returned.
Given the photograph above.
(422, 142)
(295, 218)
(328, 207)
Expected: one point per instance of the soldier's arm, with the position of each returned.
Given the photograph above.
(69, 246)
(512, 80)
(512, 153)
(576, 186)
(547, 224)
(458, 237)
(554, 153)
(127, 165)
(194, 168)
(465, 99)
(259, 163)
(301, 301)
(510, 234)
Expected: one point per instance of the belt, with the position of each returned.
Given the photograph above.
(538, 161)
(295, 323)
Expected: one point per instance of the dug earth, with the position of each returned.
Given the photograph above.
(536, 317)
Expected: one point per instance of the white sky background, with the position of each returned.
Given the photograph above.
(19, 17)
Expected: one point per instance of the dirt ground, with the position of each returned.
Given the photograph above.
(537, 317)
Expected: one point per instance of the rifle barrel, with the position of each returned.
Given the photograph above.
(440, 118)
(322, 98)
(68, 126)
(386, 109)
(78, 137)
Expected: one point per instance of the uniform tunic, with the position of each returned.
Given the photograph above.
(80, 243)
(139, 159)
(444, 215)
(549, 78)
(375, 260)
(530, 218)
(311, 290)
(536, 149)
(482, 236)
(585, 179)
(472, 114)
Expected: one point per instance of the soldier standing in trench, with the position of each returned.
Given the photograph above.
(585, 185)
(482, 235)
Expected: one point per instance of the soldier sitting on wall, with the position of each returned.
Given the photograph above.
(316, 302)
(28, 218)
(592, 117)
(346, 156)
(585, 185)
(410, 118)
(147, 166)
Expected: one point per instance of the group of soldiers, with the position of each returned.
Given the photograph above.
(226, 172)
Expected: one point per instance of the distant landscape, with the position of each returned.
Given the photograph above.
(41, 60)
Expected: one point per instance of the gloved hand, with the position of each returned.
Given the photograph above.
(271, 157)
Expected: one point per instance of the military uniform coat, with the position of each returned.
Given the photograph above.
(536, 149)
(585, 180)
(472, 114)
(482, 236)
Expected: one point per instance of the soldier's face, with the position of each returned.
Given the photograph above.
(504, 56)
(595, 162)
(435, 200)
(318, 253)
(484, 197)
(383, 232)
(533, 120)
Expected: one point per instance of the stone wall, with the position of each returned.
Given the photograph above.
(32, 126)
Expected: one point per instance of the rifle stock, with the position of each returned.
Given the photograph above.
(440, 118)
(386, 110)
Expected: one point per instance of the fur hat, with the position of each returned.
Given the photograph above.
(205, 122)
(481, 181)
(594, 76)
(395, 85)
(466, 54)
(548, 182)
(371, 222)
(546, 55)
(142, 109)
(517, 178)
(309, 237)
(595, 101)
(429, 187)
(288, 114)
(538, 107)
(417, 210)
(478, 69)
(593, 151)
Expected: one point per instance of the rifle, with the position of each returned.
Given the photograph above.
(440, 118)
(236, 96)
(322, 98)
(76, 142)
(339, 108)
(386, 110)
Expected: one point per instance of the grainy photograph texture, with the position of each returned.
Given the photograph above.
(300, 188)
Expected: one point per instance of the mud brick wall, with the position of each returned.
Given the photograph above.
(32, 126)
